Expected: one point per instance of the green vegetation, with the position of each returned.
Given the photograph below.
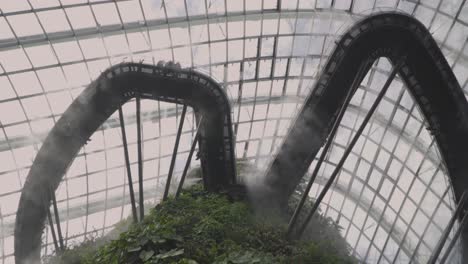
(202, 227)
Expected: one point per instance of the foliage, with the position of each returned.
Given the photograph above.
(75, 254)
(202, 227)
(321, 230)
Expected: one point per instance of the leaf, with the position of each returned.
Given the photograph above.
(143, 241)
(187, 261)
(158, 240)
(171, 253)
(134, 249)
(146, 255)
(175, 238)
(245, 258)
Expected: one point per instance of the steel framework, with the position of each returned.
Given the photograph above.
(426, 74)
(241, 16)
(104, 96)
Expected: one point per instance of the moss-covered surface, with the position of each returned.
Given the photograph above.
(202, 227)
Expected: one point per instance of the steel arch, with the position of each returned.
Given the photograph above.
(95, 104)
(425, 72)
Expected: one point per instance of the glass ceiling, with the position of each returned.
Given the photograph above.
(392, 198)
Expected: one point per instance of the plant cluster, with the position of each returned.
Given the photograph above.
(202, 227)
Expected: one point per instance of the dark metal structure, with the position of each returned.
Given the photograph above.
(104, 96)
(426, 74)
(398, 37)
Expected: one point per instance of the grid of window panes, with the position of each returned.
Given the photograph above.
(267, 54)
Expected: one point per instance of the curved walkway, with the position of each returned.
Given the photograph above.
(425, 72)
(104, 96)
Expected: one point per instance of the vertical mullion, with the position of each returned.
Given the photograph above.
(209, 37)
(52, 230)
(174, 152)
(159, 147)
(106, 174)
(386, 129)
(457, 234)
(411, 144)
(189, 29)
(381, 217)
(189, 159)
(336, 124)
(140, 157)
(373, 164)
(57, 219)
(400, 172)
(283, 95)
(241, 81)
(163, 6)
(87, 191)
(445, 235)
(259, 55)
(239, 98)
(351, 145)
(257, 68)
(127, 165)
(408, 228)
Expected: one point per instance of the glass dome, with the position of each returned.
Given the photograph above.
(392, 196)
